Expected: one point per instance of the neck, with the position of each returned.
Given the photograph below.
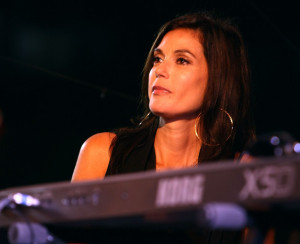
(176, 145)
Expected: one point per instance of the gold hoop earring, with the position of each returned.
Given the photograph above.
(196, 126)
(146, 117)
(218, 144)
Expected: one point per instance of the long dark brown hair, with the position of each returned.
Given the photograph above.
(227, 92)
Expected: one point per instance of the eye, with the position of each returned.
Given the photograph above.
(156, 59)
(182, 61)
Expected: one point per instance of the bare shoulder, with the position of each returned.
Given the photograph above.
(100, 140)
(93, 157)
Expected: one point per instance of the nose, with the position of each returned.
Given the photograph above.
(162, 70)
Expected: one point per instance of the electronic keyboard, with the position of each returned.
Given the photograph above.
(151, 196)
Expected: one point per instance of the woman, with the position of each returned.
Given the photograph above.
(195, 91)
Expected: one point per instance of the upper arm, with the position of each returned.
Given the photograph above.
(93, 158)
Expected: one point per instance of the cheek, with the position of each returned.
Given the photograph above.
(151, 79)
(198, 80)
(195, 87)
(151, 75)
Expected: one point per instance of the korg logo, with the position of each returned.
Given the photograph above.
(180, 191)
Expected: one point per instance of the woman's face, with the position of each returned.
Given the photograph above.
(178, 78)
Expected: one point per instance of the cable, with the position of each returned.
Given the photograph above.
(103, 90)
(279, 32)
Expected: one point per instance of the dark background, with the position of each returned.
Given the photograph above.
(69, 69)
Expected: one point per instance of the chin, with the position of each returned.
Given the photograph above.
(164, 114)
(156, 112)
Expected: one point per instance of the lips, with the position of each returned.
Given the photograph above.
(157, 90)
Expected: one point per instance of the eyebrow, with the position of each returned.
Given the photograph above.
(176, 51)
(157, 50)
(185, 51)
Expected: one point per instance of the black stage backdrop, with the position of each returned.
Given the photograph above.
(69, 69)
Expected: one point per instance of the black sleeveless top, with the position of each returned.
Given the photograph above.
(142, 159)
